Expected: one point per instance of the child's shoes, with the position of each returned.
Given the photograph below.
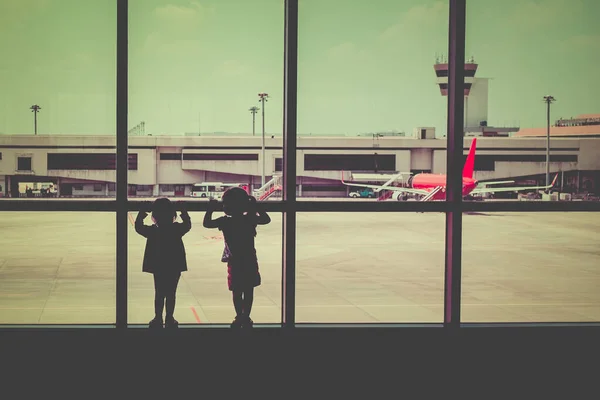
(237, 323)
(170, 322)
(156, 323)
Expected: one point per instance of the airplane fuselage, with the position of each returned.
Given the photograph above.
(432, 181)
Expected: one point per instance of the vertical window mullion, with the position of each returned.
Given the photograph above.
(122, 163)
(454, 155)
(288, 292)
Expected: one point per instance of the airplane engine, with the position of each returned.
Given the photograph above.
(399, 196)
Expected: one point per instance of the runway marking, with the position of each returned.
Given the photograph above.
(217, 237)
(131, 219)
(196, 315)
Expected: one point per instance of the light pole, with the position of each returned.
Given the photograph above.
(263, 97)
(253, 110)
(548, 100)
(35, 109)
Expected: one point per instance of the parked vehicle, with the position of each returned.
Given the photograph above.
(362, 192)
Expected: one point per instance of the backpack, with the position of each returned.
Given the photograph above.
(226, 254)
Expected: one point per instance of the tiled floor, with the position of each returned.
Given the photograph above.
(360, 267)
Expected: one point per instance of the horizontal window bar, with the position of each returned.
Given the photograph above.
(539, 325)
(322, 206)
(202, 205)
(531, 206)
(371, 206)
(323, 327)
(109, 204)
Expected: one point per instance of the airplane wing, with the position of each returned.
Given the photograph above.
(513, 189)
(393, 188)
(497, 182)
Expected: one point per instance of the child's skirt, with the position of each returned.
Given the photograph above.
(242, 277)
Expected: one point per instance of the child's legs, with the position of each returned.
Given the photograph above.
(172, 281)
(159, 295)
(248, 300)
(238, 302)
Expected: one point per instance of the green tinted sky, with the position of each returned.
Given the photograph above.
(363, 65)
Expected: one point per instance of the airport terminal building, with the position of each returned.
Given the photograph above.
(84, 166)
(170, 165)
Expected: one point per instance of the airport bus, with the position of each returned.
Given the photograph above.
(213, 190)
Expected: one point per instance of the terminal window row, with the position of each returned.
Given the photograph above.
(312, 162)
(487, 162)
(209, 157)
(91, 161)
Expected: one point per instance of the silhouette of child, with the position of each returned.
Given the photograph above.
(239, 229)
(164, 256)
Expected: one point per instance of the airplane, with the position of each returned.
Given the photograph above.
(433, 186)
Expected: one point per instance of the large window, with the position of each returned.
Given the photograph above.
(350, 162)
(203, 296)
(370, 267)
(57, 268)
(58, 97)
(519, 103)
(530, 267)
(196, 73)
(98, 161)
(220, 157)
(369, 109)
(374, 225)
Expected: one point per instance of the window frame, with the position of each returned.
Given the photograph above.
(18, 156)
(289, 206)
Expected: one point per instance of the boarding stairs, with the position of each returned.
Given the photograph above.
(386, 194)
(432, 194)
(269, 188)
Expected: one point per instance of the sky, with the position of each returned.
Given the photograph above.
(364, 66)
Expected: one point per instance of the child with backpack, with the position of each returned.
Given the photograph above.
(239, 230)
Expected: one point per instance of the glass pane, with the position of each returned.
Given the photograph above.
(371, 110)
(370, 267)
(57, 268)
(196, 72)
(202, 293)
(531, 267)
(57, 103)
(522, 88)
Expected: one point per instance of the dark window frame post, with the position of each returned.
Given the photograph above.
(290, 86)
(454, 160)
(122, 163)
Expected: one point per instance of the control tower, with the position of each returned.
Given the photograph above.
(441, 72)
(476, 99)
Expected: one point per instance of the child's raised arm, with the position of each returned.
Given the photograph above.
(262, 218)
(185, 217)
(140, 228)
(208, 221)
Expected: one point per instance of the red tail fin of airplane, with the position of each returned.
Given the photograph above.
(470, 162)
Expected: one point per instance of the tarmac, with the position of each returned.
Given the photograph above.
(59, 268)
